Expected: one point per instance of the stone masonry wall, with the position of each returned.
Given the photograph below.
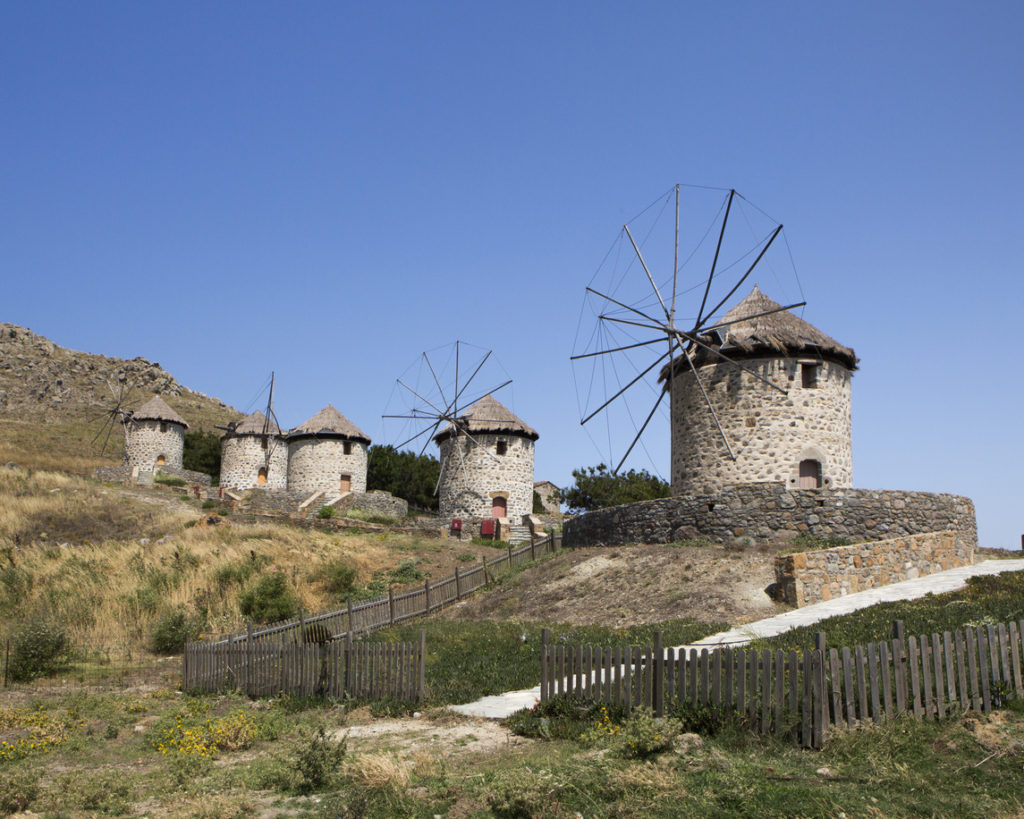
(770, 433)
(123, 473)
(145, 443)
(318, 463)
(242, 456)
(810, 577)
(376, 501)
(467, 492)
(768, 513)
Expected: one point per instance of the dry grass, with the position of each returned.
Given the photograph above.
(109, 564)
(378, 772)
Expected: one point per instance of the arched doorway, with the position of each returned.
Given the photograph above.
(261, 476)
(810, 474)
(160, 460)
(499, 507)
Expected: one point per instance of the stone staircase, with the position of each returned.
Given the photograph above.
(518, 533)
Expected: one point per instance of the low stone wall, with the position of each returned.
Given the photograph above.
(810, 577)
(375, 501)
(123, 474)
(768, 513)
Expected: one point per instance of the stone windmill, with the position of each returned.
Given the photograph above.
(327, 453)
(731, 378)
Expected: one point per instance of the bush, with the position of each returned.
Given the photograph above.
(317, 761)
(644, 734)
(268, 599)
(18, 790)
(209, 504)
(173, 630)
(337, 577)
(325, 512)
(39, 647)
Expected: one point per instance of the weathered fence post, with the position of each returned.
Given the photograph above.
(250, 655)
(510, 556)
(351, 621)
(458, 584)
(347, 690)
(545, 674)
(302, 627)
(533, 547)
(391, 604)
(658, 675)
(426, 596)
(422, 676)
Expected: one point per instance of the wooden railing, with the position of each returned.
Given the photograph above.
(386, 610)
(339, 669)
(801, 693)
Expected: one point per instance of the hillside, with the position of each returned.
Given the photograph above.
(52, 400)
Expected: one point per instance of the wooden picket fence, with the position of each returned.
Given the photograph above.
(386, 610)
(338, 669)
(801, 693)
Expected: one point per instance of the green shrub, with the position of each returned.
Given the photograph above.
(18, 790)
(644, 734)
(209, 504)
(317, 761)
(173, 630)
(337, 577)
(168, 480)
(465, 557)
(268, 599)
(325, 512)
(405, 573)
(487, 541)
(38, 647)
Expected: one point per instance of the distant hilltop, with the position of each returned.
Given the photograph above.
(42, 380)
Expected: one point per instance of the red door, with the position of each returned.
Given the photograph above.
(499, 506)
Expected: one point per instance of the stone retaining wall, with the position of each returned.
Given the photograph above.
(376, 501)
(768, 513)
(810, 577)
(123, 474)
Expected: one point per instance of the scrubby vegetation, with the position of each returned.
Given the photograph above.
(596, 487)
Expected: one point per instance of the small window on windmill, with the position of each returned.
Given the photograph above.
(502, 447)
(750, 421)
(163, 426)
(347, 447)
(264, 443)
(809, 374)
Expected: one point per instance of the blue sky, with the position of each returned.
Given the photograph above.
(327, 189)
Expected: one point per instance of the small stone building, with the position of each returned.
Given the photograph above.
(800, 439)
(550, 496)
(154, 437)
(487, 467)
(254, 453)
(327, 453)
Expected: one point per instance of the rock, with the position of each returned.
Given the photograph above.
(144, 541)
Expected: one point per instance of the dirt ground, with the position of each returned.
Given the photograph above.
(620, 586)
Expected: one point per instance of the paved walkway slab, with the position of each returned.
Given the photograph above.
(500, 706)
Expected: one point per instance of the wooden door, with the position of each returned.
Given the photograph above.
(346, 483)
(810, 474)
(499, 507)
(160, 460)
(261, 476)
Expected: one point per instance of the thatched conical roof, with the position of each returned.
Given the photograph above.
(156, 409)
(253, 424)
(491, 416)
(780, 333)
(329, 423)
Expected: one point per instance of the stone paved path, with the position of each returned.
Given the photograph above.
(500, 706)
